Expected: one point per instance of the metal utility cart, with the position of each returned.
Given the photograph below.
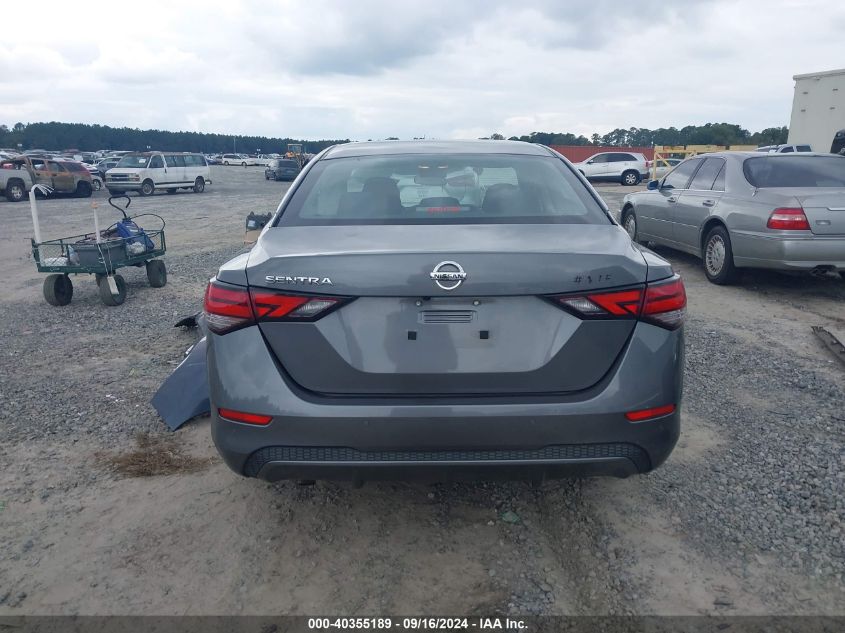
(99, 254)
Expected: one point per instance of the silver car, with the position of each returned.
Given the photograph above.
(744, 209)
(444, 310)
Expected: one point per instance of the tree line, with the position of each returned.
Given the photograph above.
(87, 138)
(707, 134)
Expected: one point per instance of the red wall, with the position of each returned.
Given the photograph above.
(577, 153)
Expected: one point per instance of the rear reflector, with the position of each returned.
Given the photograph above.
(229, 308)
(246, 418)
(788, 220)
(648, 414)
(662, 303)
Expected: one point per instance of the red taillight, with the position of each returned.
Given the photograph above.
(666, 303)
(226, 308)
(624, 302)
(648, 414)
(788, 220)
(229, 308)
(662, 303)
(246, 418)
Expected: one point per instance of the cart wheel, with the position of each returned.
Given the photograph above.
(156, 273)
(105, 292)
(58, 290)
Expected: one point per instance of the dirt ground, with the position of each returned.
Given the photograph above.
(104, 511)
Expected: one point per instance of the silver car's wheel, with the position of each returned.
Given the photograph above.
(718, 256)
(631, 226)
(96, 184)
(630, 178)
(714, 256)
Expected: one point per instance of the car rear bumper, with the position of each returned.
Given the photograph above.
(754, 250)
(435, 439)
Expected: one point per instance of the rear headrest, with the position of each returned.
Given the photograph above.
(503, 198)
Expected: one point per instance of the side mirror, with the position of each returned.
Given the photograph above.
(653, 185)
(590, 162)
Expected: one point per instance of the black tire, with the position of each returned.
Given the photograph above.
(156, 273)
(199, 184)
(97, 184)
(718, 256)
(243, 164)
(172, 190)
(15, 190)
(842, 274)
(58, 290)
(147, 188)
(105, 292)
(629, 223)
(630, 178)
(83, 189)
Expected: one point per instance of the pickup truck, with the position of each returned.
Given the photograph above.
(15, 182)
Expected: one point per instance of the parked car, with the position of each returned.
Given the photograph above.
(784, 149)
(281, 169)
(62, 176)
(212, 159)
(743, 209)
(238, 159)
(498, 324)
(148, 171)
(105, 164)
(627, 168)
(15, 182)
(664, 166)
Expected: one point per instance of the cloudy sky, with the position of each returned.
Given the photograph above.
(446, 69)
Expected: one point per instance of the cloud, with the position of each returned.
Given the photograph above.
(372, 69)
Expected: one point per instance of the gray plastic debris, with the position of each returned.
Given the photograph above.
(184, 394)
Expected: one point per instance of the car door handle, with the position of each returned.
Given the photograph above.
(671, 199)
(709, 203)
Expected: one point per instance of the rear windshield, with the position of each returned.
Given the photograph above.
(133, 161)
(441, 189)
(288, 163)
(795, 171)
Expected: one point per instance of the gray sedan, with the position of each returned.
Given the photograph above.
(743, 209)
(444, 309)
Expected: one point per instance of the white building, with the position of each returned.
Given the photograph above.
(818, 109)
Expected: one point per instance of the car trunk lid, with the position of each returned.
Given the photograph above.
(404, 334)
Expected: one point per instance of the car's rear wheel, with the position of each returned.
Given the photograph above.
(226, 163)
(83, 189)
(15, 191)
(199, 184)
(58, 290)
(629, 222)
(630, 178)
(105, 292)
(147, 188)
(243, 164)
(97, 184)
(718, 256)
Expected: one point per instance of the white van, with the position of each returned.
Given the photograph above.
(148, 171)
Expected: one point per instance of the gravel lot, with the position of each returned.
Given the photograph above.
(746, 517)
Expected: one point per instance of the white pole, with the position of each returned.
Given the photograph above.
(33, 206)
(96, 223)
